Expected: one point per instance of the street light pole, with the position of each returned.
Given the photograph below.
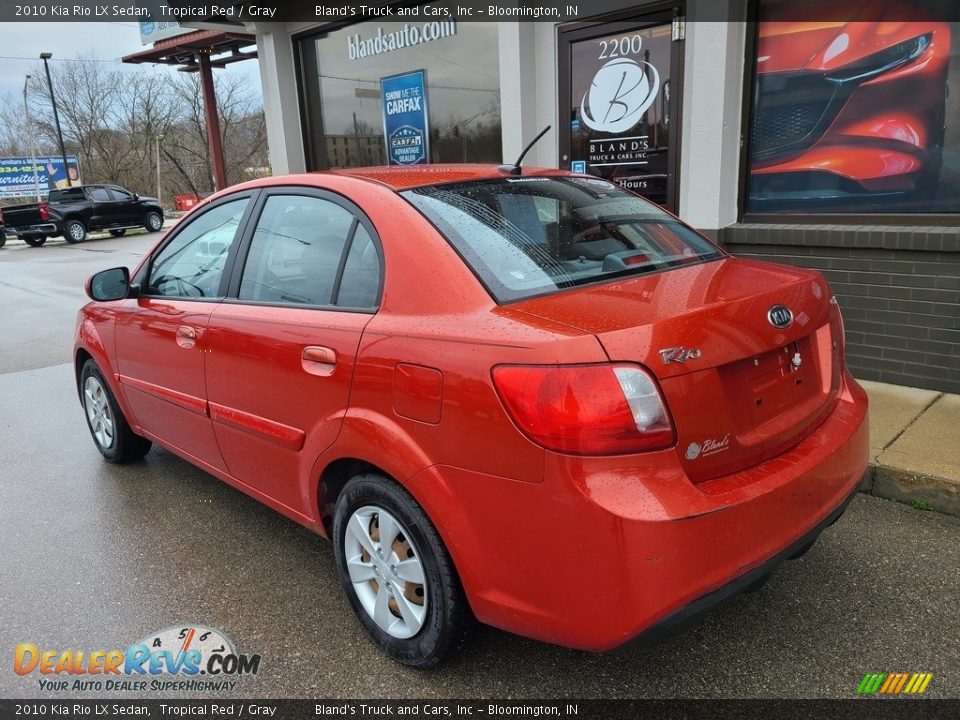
(33, 140)
(56, 116)
(158, 138)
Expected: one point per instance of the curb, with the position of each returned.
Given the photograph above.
(922, 492)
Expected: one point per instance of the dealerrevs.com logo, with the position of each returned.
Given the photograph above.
(188, 657)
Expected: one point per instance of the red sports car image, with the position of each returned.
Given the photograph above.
(528, 398)
(847, 109)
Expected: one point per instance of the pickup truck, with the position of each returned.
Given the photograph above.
(73, 212)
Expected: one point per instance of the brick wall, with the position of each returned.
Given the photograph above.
(898, 288)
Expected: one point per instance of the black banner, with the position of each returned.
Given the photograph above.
(859, 709)
(339, 11)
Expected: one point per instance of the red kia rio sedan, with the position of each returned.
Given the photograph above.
(534, 399)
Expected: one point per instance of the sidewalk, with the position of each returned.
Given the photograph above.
(914, 447)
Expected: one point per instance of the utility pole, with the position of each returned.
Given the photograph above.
(56, 116)
(33, 141)
(157, 139)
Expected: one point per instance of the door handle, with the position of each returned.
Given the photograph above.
(186, 337)
(318, 360)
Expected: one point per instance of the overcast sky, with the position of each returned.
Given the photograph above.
(22, 43)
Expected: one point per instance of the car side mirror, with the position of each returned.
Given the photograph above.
(112, 284)
(136, 196)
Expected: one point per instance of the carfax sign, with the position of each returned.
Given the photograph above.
(406, 126)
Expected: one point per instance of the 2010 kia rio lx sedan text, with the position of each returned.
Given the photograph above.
(533, 399)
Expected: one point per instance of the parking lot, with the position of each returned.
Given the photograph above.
(97, 557)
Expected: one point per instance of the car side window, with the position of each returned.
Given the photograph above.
(296, 250)
(99, 194)
(191, 265)
(360, 285)
(119, 194)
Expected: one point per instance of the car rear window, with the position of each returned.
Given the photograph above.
(526, 236)
(65, 195)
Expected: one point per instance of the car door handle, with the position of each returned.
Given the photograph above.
(318, 360)
(186, 337)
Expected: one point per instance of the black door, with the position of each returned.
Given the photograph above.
(619, 99)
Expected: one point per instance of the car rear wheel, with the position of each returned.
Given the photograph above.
(397, 574)
(3, 238)
(153, 222)
(120, 232)
(74, 231)
(34, 240)
(109, 428)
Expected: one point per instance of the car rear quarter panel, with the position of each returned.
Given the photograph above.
(436, 321)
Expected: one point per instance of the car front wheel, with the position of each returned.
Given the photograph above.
(109, 428)
(153, 222)
(397, 574)
(74, 231)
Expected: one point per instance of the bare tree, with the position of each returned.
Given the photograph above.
(112, 120)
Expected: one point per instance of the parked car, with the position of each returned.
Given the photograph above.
(3, 232)
(534, 399)
(74, 212)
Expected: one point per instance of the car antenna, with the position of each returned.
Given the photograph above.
(515, 168)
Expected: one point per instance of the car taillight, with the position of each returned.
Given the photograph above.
(44, 213)
(586, 409)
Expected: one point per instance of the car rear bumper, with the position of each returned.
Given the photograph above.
(750, 581)
(42, 228)
(607, 549)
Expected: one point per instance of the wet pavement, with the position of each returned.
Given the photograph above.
(95, 557)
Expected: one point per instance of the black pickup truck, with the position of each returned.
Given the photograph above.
(73, 212)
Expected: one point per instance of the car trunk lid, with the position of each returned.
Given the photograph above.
(740, 390)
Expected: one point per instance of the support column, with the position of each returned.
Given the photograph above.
(711, 123)
(281, 103)
(213, 124)
(518, 92)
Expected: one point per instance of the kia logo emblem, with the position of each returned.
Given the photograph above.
(780, 316)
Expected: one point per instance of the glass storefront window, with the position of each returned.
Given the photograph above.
(855, 116)
(342, 73)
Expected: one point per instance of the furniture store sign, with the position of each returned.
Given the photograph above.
(25, 177)
(406, 125)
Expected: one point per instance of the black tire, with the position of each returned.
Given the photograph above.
(448, 620)
(119, 232)
(74, 231)
(153, 221)
(3, 238)
(34, 240)
(124, 445)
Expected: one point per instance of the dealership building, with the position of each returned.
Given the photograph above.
(828, 142)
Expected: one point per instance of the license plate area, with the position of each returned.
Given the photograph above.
(770, 384)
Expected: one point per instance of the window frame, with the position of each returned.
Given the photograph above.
(246, 241)
(143, 276)
(119, 194)
(92, 188)
(800, 217)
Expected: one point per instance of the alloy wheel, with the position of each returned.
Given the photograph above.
(99, 414)
(386, 570)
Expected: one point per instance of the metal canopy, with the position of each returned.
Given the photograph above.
(200, 52)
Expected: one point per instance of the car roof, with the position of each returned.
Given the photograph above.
(406, 177)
